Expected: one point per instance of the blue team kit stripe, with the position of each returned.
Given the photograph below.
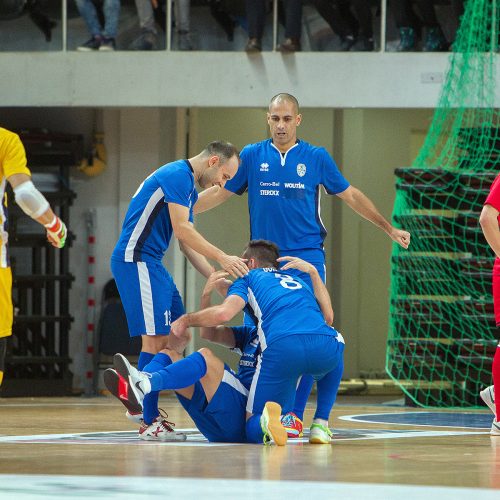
(147, 230)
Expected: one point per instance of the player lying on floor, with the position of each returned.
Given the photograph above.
(213, 395)
(322, 345)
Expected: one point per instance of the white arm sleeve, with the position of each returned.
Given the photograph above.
(32, 202)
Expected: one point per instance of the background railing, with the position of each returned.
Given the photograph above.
(56, 25)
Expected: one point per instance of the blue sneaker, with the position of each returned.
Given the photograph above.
(93, 44)
(107, 44)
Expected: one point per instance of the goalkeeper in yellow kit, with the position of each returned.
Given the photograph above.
(13, 170)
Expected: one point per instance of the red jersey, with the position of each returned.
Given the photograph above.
(493, 199)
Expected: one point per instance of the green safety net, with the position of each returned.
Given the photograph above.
(441, 335)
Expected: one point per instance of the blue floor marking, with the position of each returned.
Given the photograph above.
(435, 419)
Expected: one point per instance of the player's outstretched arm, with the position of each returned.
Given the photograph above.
(198, 261)
(219, 334)
(489, 224)
(213, 316)
(320, 290)
(361, 204)
(35, 205)
(211, 198)
(187, 234)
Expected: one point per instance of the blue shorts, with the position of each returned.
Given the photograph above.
(285, 360)
(224, 418)
(149, 297)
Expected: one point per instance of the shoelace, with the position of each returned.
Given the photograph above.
(169, 426)
(322, 428)
(289, 420)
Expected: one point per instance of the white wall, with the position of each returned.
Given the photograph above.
(221, 79)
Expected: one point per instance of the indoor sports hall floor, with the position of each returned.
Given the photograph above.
(85, 448)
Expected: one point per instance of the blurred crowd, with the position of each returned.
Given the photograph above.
(355, 24)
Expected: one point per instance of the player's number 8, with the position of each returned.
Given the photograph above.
(288, 282)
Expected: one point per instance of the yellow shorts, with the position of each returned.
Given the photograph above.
(6, 308)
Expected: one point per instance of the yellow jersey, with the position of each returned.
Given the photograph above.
(12, 161)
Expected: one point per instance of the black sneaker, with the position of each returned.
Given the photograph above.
(184, 40)
(93, 44)
(253, 45)
(346, 43)
(363, 44)
(146, 41)
(290, 45)
(107, 44)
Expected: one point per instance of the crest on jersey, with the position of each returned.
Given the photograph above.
(264, 167)
(301, 170)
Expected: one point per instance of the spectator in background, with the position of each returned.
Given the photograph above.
(103, 32)
(147, 40)
(182, 24)
(150, 11)
(351, 20)
(256, 16)
(36, 11)
(410, 26)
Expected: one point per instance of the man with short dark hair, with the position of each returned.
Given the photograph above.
(162, 207)
(294, 339)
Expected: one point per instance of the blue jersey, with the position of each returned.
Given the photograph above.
(147, 228)
(284, 194)
(248, 347)
(282, 304)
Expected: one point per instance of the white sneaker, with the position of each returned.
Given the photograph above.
(137, 418)
(160, 430)
(320, 434)
(488, 396)
(495, 428)
(138, 382)
(119, 387)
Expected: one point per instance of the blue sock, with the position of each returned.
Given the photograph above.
(181, 374)
(328, 387)
(144, 359)
(160, 361)
(150, 402)
(254, 430)
(302, 395)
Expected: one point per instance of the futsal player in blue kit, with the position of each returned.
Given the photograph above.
(162, 207)
(294, 339)
(217, 400)
(213, 395)
(284, 177)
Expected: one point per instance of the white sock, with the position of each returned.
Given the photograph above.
(321, 422)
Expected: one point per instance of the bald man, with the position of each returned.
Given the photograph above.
(283, 176)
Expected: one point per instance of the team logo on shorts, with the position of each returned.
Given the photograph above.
(301, 169)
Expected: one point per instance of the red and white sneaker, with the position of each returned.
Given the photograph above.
(160, 430)
(293, 425)
(119, 388)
